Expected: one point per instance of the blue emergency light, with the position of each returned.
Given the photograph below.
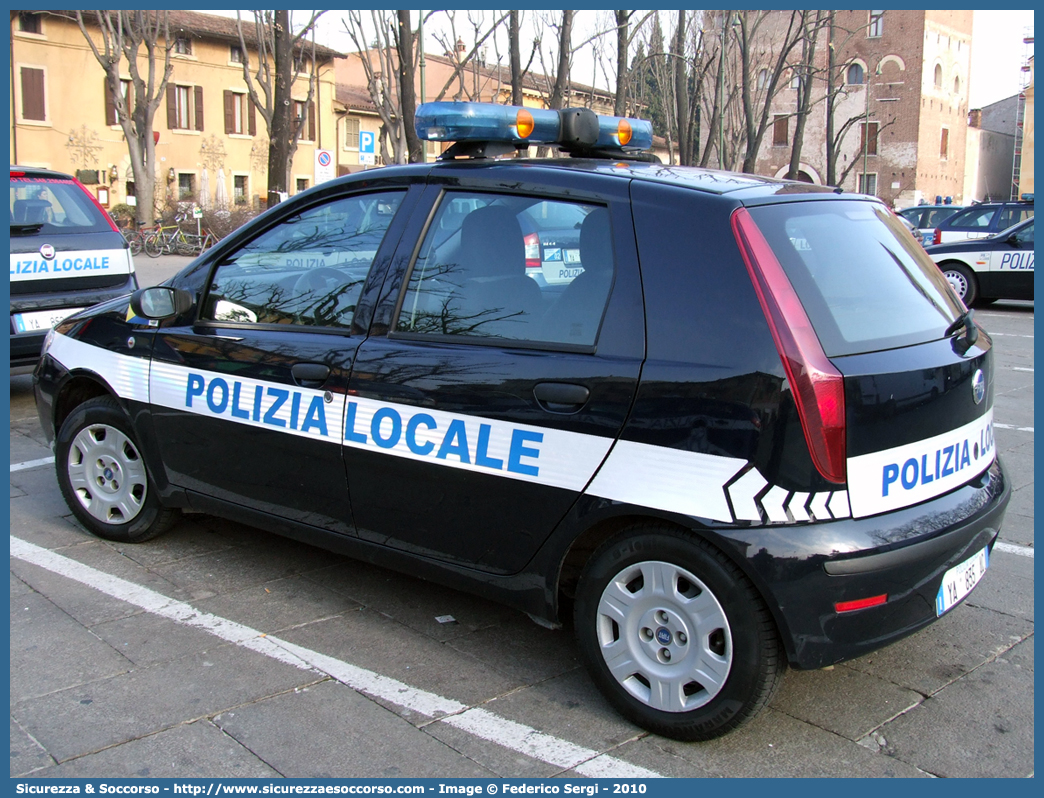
(573, 129)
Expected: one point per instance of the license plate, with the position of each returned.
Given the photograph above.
(41, 319)
(959, 580)
(572, 256)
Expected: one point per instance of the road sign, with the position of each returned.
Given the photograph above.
(367, 148)
(197, 213)
(324, 166)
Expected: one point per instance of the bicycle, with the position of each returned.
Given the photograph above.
(168, 240)
(136, 238)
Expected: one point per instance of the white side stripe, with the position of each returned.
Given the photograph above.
(477, 721)
(743, 492)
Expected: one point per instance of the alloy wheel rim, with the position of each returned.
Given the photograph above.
(107, 474)
(664, 636)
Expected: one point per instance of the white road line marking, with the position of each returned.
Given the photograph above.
(1011, 548)
(477, 721)
(31, 464)
(1011, 426)
(1021, 368)
(1009, 335)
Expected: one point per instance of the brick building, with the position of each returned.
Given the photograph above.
(905, 86)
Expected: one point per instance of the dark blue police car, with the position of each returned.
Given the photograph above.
(707, 442)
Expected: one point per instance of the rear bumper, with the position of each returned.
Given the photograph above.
(914, 549)
(25, 347)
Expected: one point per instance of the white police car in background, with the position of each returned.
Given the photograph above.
(66, 254)
(698, 436)
(986, 269)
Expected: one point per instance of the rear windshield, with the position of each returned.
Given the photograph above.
(60, 206)
(864, 281)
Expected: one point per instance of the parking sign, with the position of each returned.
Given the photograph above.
(367, 149)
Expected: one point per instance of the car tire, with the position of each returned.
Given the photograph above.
(103, 476)
(962, 280)
(675, 635)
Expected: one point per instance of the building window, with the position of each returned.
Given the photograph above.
(240, 117)
(868, 137)
(186, 186)
(183, 45)
(855, 75)
(111, 114)
(305, 117)
(868, 184)
(762, 78)
(34, 98)
(938, 76)
(956, 85)
(944, 143)
(780, 130)
(302, 184)
(432, 149)
(239, 189)
(876, 27)
(184, 107)
(235, 54)
(795, 82)
(29, 22)
(351, 134)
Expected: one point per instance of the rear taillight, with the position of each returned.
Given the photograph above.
(98, 205)
(532, 242)
(17, 174)
(818, 387)
(937, 236)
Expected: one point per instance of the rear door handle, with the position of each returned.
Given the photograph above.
(310, 375)
(561, 397)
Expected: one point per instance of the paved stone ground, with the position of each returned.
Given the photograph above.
(100, 687)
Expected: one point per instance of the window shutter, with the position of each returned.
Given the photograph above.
(311, 121)
(33, 106)
(110, 105)
(199, 107)
(253, 118)
(172, 107)
(230, 113)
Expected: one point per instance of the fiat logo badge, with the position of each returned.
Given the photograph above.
(978, 386)
(47, 251)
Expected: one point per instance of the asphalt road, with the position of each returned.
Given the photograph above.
(221, 651)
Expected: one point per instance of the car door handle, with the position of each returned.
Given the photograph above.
(561, 397)
(310, 375)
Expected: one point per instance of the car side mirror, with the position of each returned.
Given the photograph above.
(160, 302)
(1013, 239)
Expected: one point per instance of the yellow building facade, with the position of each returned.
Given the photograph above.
(212, 145)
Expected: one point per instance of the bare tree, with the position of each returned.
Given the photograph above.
(407, 90)
(124, 34)
(280, 62)
(811, 24)
(757, 32)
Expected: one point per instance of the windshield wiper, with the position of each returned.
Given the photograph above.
(26, 229)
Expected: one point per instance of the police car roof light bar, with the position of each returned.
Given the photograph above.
(575, 130)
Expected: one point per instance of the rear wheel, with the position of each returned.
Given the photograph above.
(962, 280)
(675, 635)
(103, 477)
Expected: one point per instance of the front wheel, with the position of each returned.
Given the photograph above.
(153, 246)
(103, 477)
(675, 635)
(962, 281)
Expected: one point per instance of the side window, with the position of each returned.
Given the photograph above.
(974, 218)
(307, 270)
(1012, 214)
(1025, 236)
(507, 267)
